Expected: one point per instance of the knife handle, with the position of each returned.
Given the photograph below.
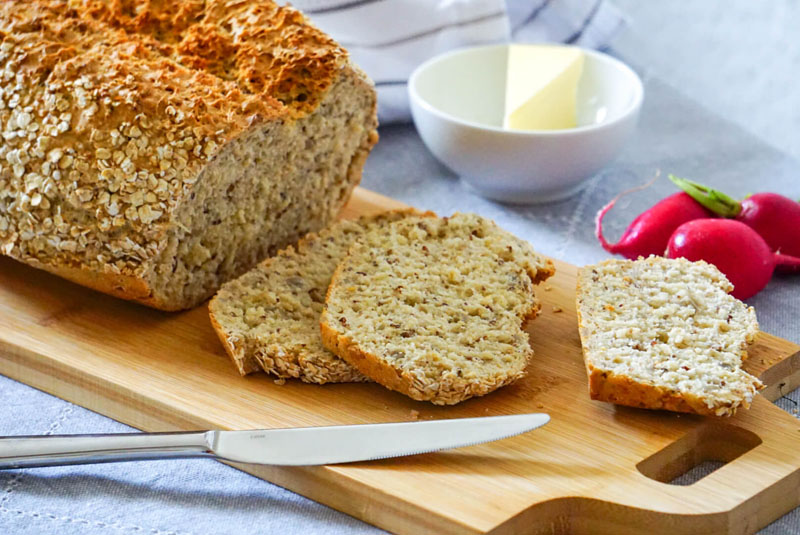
(59, 450)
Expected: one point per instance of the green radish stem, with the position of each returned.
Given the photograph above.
(716, 201)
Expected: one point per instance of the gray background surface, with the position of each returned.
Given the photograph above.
(738, 58)
(739, 61)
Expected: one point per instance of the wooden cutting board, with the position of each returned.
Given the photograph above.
(595, 468)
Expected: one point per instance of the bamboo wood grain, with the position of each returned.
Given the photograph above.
(585, 472)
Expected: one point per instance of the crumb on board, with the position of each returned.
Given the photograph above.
(540, 405)
(414, 414)
(557, 309)
(547, 287)
(280, 381)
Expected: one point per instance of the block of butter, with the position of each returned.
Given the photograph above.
(541, 87)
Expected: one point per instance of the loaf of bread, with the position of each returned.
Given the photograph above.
(434, 308)
(664, 334)
(268, 319)
(154, 150)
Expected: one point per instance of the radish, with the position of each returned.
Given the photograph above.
(649, 233)
(775, 217)
(736, 249)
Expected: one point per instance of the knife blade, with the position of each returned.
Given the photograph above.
(287, 447)
(353, 443)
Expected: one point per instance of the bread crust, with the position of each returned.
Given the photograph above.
(366, 363)
(621, 390)
(117, 285)
(126, 105)
(372, 366)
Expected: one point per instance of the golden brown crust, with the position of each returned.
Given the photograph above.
(622, 390)
(369, 365)
(110, 110)
(376, 369)
(268, 51)
(117, 285)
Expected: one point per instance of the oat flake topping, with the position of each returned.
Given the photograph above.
(110, 109)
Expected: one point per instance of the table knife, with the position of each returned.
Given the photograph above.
(289, 447)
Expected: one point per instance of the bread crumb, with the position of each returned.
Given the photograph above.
(414, 414)
(557, 309)
(280, 381)
(540, 405)
(547, 287)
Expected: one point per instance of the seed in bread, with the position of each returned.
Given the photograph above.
(154, 150)
(659, 333)
(269, 317)
(434, 308)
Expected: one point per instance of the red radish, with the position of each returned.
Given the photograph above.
(649, 233)
(775, 217)
(736, 249)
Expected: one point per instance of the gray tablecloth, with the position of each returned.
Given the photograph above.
(197, 497)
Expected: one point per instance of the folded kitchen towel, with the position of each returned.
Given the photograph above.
(390, 38)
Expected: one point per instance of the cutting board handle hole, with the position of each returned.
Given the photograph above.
(698, 453)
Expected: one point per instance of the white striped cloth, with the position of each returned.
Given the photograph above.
(389, 38)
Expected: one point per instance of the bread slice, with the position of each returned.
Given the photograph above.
(269, 317)
(434, 308)
(154, 150)
(664, 334)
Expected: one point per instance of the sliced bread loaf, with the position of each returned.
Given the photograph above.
(434, 308)
(154, 150)
(269, 317)
(664, 334)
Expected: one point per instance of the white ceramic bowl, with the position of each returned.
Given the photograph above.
(457, 103)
